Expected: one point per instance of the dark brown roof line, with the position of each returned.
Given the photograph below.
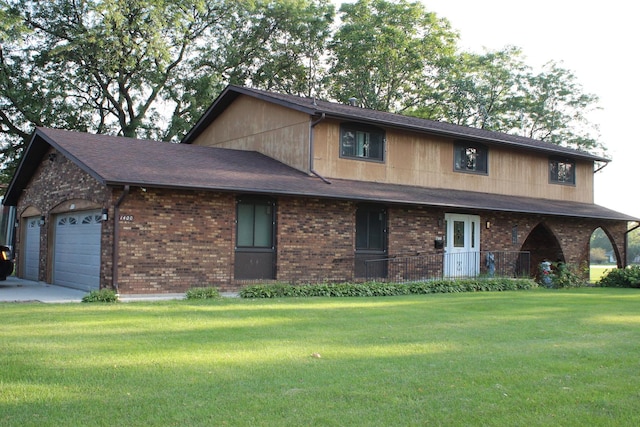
(316, 107)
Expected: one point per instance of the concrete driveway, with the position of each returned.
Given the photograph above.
(19, 290)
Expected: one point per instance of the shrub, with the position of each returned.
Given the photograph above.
(563, 276)
(102, 295)
(621, 278)
(371, 289)
(568, 276)
(203, 293)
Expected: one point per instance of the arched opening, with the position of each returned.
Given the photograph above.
(603, 254)
(543, 246)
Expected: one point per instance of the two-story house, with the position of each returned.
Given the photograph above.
(278, 187)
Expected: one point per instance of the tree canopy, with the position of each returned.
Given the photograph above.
(150, 68)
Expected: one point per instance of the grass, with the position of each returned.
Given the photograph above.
(527, 358)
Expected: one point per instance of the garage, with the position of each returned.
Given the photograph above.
(32, 248)
(76, 262)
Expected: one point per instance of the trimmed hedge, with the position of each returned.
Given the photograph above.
(375, 289)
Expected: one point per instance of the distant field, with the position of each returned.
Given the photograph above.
(597, 271)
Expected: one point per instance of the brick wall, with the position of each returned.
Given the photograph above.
(166, 250)
(54, 184)
(315, 240)
(173, 240)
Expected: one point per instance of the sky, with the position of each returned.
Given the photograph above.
(598, 42)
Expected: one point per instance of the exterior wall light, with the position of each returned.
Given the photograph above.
(488, 225)
(105, 215)
(41, 221)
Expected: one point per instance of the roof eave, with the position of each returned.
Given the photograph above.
(615, 216)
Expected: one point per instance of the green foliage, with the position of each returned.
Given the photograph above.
(375, 289)
(622, 278)
(564, 275)
(387, 54)
(208, 292)
(150, 68)
(102, 295)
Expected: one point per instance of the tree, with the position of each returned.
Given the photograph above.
(388, 54)
(480, 91)
(102, 66)
(555, 108)
(275, 45)
(145, 68)
(598, 256)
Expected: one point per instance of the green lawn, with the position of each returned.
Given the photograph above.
(526, 358)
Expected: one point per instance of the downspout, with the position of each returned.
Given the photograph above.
(311, 126)
(116, 237)
(626, 244)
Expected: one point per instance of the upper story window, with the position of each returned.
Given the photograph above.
(361, 142)
(562, 171)
(469, 157)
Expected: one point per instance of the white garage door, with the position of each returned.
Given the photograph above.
(31, 262)
(76, 256)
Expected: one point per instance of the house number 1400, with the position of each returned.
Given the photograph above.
(126, 218)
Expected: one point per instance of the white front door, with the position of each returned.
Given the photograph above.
(462, 249)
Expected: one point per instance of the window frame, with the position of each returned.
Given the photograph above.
(363, 129)
(458, 146)
(254, 203)
(553, 177)
(369, 210)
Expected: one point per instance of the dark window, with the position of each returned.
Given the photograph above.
(255, 224)
(361, 142)
(370, 228)
(562, 171)
(470, 157)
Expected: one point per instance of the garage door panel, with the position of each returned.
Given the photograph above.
(77, 250)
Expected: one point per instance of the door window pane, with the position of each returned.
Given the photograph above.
(362, 229)
(376, 230)
(245, 224)
(473, 234)
(458, 234)
(370, 228)
(263, 226)
(255, 224)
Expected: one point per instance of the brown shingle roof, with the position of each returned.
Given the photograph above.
(316, 108)
(119, 161)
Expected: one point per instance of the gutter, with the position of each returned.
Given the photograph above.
(311, 126)
(626, 244)
(116, 237)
